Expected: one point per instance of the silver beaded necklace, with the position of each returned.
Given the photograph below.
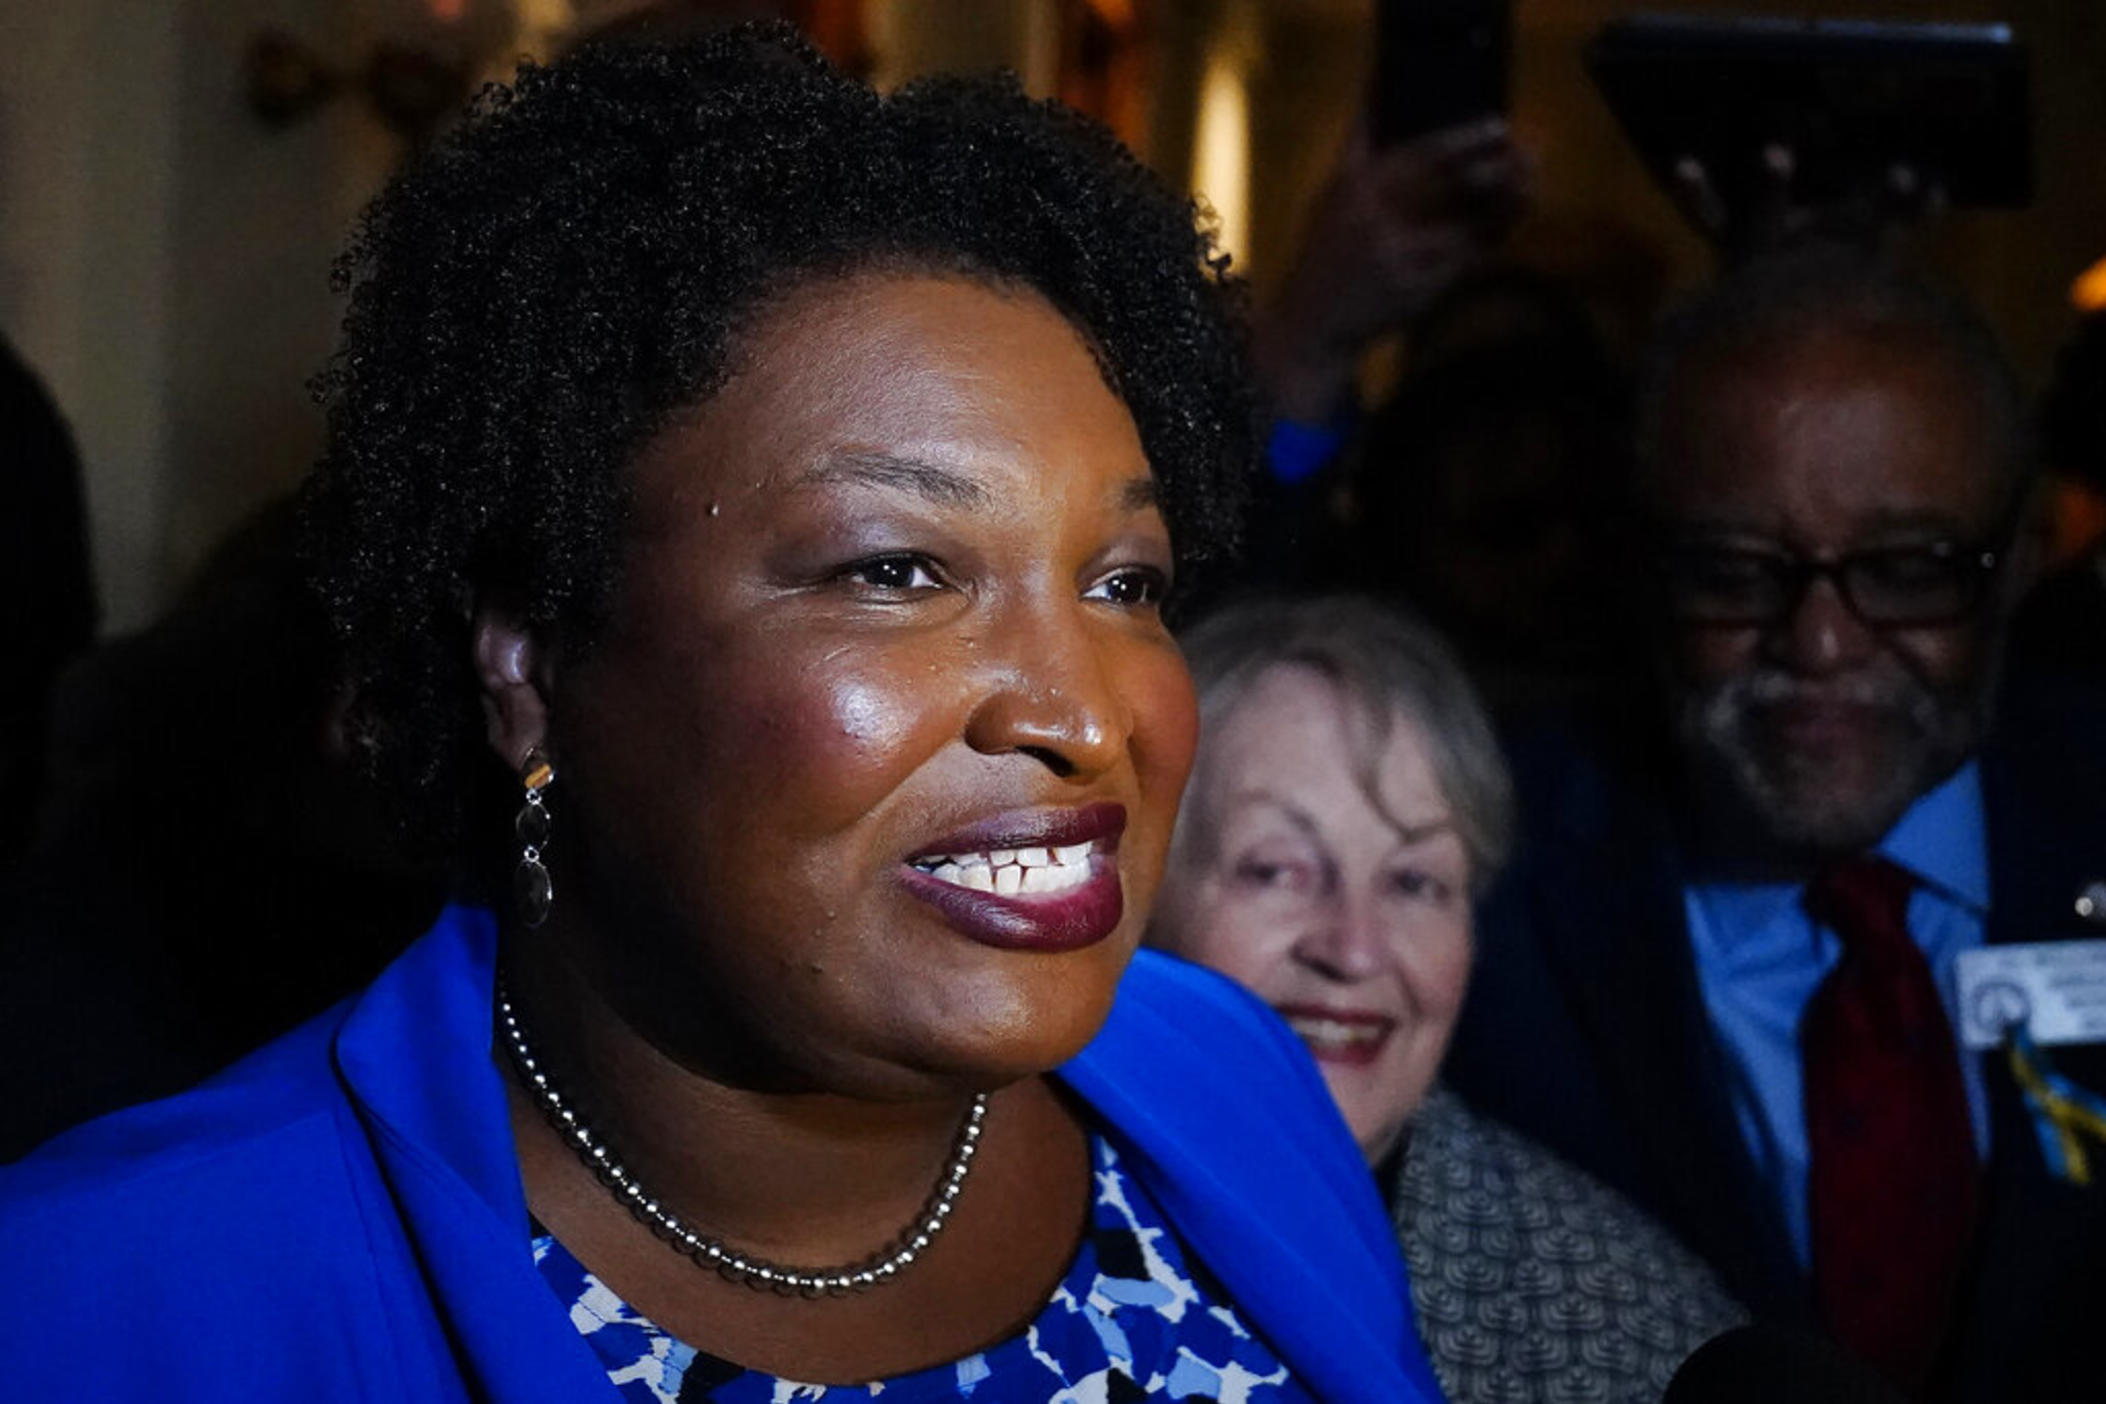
(707, 1252)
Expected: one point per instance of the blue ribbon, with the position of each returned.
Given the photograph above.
(2063, 1112)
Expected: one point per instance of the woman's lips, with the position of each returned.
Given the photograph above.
(1353, 1038)
(1034, 880)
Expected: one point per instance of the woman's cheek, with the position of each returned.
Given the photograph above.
(838, 738)
(1167, 733)
(1165, 740)
(1447, 979)
(1256, 953)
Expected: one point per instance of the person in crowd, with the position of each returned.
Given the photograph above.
(49, 578)
(206, 873)
(1486, 488)
(1348, 806)
(1722, 973)
(1392, 230)
(2060, 629)
(749, 509)
(1490, 491)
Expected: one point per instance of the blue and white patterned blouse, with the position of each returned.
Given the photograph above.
(1132, 1319)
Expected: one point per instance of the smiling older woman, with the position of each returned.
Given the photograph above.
(749, 508)
(1348, 806)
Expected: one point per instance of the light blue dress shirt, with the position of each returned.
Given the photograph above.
(1759, 959)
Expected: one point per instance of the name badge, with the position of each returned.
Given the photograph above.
(2054, 991)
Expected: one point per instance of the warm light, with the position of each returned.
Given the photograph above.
(541, 28)
(2088, 293)
(447, 11)
(1221, 151)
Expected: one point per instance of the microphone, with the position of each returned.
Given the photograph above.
(1770, 1364)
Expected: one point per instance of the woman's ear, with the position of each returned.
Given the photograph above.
(512, 668)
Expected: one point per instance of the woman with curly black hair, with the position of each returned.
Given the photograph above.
(748, 514)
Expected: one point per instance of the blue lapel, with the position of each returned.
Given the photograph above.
(1247, 1155)
(1188, 1075)
(415, 1053)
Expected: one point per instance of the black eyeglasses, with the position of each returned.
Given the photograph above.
(1884, 586)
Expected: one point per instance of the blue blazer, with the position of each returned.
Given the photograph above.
(340, 1216)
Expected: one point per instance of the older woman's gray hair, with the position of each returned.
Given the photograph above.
(1390, 663)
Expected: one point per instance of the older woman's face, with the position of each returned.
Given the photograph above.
(1349, 918)
(888, 637)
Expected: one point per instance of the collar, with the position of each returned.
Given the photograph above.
(1943, 842)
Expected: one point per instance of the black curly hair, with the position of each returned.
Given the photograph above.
(535, 298)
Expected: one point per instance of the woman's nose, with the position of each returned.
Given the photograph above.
(1345, 942)
(1054, 695)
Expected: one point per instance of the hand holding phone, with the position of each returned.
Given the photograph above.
(1438, 64)
(1393, 228)
(1761, 126)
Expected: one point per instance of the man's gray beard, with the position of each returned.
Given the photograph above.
(1784, 797)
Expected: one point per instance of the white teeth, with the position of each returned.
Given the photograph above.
(1053, 879)
(1332, 1034)
(1011, 872)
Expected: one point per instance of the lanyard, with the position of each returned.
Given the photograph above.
(2063, 1113)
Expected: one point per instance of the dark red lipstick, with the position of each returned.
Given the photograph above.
(1080, 916)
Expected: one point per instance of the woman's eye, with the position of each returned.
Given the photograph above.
(1140, 586)
(1268, 875)
(1412, 882)
(901, 572)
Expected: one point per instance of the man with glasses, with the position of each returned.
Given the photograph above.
(1722, 975)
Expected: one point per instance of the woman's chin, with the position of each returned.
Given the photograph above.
(1376, 1109)
(1028, 1017)
(1377, 1141)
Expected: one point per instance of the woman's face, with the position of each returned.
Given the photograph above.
(1349, 917)
(888, 637)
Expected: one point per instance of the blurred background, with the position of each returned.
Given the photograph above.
(176, 177)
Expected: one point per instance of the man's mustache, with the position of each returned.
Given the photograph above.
(1768, 687)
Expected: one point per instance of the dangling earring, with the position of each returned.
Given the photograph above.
(530, 885)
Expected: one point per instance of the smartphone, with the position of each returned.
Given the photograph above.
(1852, 101)
(1438, 63)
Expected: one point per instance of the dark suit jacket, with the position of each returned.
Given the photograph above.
(1585, 1029)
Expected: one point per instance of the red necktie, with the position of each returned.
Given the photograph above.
(1893, 1185)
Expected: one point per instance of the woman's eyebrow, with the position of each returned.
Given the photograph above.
(1293, 813)
(1412, 835)
(946, 487)
(1408, 835)
(1140, 494)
